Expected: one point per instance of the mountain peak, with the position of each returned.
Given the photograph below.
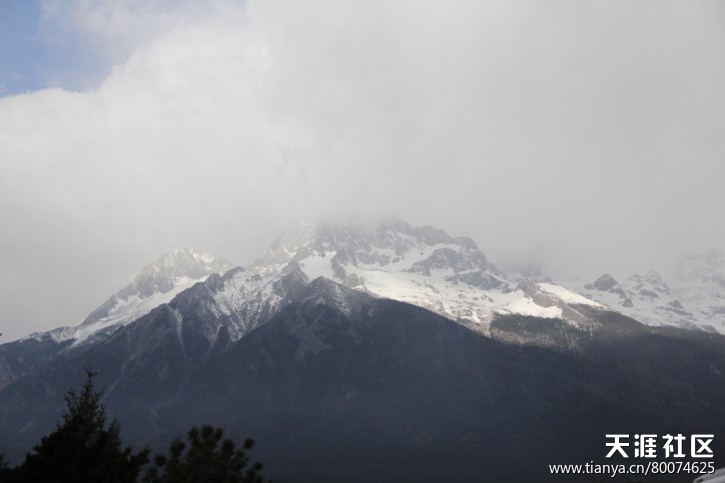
(181, 263)
(383, 243)
(393, 259)
(157, 283)
(650, 285)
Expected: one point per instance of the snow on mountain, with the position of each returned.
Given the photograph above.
(700, 287)
(240, 300)
(646, 298)
(695, 299)
(156, 284)
(422, 266)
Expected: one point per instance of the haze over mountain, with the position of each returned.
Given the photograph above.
(693, 297)
(426, 267)
(584, 135)
(423, 266)
(156, 284)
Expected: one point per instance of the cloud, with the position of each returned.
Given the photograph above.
(584, 133)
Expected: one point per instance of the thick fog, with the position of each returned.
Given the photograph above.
(586, 136)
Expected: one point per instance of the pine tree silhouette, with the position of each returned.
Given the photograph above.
(82, 449)
(206, 459)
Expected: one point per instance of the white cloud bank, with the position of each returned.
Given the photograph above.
(587, 133)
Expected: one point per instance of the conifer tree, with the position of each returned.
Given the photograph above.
(206, 458)
(82, 449)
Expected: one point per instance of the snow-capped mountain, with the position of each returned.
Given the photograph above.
(306, 351)
(422, 266)
(156, 284)
(237, 302)
(695, 299)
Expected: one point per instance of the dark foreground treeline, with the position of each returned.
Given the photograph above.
(84, 449)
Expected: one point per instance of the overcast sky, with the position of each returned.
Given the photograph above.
(586, 135)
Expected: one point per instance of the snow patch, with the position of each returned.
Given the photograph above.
(526, 306)
(567, 296)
